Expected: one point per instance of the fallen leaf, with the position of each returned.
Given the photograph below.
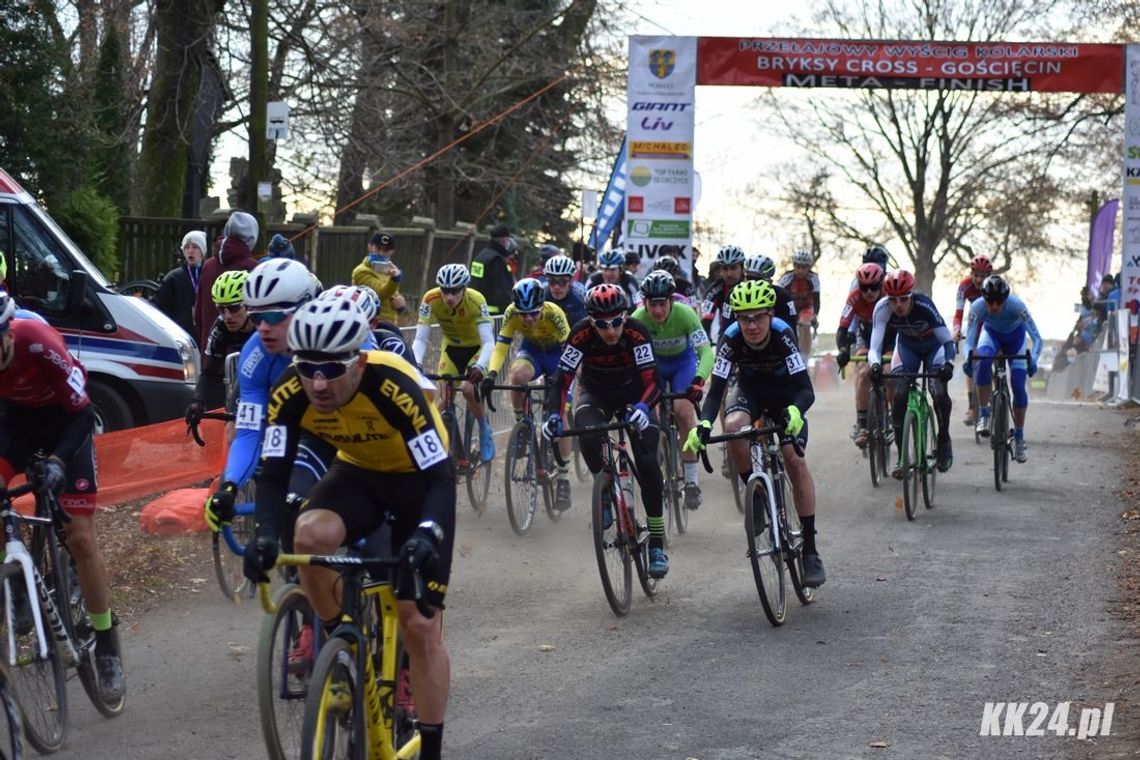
(546, 647)
(878, 744)
(899, 503)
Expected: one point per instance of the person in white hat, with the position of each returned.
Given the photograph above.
(179, 287)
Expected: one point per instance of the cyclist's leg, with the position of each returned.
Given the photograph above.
(905, 359)
(652, 495)
(523, 369)
(310, 465)
(933, 359)
(462, 358)
(862, 385)
(589, 411)
(803, 496)
(1015, 344)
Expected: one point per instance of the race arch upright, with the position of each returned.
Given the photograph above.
(665, 71)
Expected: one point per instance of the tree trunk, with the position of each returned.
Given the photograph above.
(446, 124)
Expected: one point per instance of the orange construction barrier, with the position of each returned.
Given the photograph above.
(176, 512)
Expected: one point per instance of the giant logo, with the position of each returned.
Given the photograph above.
(662, 62)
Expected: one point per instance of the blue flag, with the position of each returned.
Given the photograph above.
(612, 207)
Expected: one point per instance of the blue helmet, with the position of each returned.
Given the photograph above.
(611, 259)
(528, 295)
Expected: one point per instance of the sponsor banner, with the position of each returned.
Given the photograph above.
(1130, 199)
(680, 205)
(662, 67)
(651, 249)
(660, 149)
(653, 119)
(996, 66)
(656, 229)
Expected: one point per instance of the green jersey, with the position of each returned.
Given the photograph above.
(681, 332)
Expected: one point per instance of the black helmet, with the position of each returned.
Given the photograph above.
(667, 264)
(632, 258)
(658, 284)
(994, 288)
(876, 254)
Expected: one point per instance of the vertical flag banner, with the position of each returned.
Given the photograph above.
(659, 131)
(1102, 234)
(612, 200)
(1130, 200)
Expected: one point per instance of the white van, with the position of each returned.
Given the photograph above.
(141, 366)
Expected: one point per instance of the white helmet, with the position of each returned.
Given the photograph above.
(730, 255)
(334, 326)
(452, 276)
(559, 266)
(803, 258)
(364, 298)
(278, 284)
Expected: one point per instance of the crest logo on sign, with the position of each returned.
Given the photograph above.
(661, 62)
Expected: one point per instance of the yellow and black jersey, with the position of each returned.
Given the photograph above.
(388, 426)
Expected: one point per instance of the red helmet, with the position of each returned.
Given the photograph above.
(898, 283)
(981, 264)
(606, 298)
(869, 274)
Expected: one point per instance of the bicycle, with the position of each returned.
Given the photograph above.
(39, 581)
(11, 725)
(465, 453)
(774, 533)
(624, 542)
(669, 458)
(880, 432)
(919, 451)
(358, 703)
(1001, 432)
(527, 470)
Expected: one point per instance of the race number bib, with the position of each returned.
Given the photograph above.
(273, 444)
(722, 368)
(427, 449)
(795, 363)
(571, 358)
(248, 416)
(75, 380)
(643, 354)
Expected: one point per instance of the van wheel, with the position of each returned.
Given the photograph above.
(111, 409)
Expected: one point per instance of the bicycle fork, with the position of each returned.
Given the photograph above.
(16, 552)
(773, 510)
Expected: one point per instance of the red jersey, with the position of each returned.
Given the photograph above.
(967, 292)
(856, 306)
(43, 372)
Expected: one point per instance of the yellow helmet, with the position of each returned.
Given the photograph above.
(751, 295)
(227, 288)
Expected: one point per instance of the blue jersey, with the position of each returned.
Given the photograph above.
(922, 329)
(1013, 317)
(574, 304)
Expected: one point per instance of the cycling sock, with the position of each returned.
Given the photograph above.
(690, 471)
(431, 740)
(1018, 434)
(656, 526)
(100, 621)
(808, 524)
(861, 419)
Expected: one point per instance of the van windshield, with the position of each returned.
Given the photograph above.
(38, 268)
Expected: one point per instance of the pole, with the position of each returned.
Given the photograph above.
(258, 96)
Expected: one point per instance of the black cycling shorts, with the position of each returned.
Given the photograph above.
(25, 430)
(756, 404)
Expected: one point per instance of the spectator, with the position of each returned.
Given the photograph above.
(632, 262)
(545, 254)
(179, 287)
(280, 248)
(378, 272)
(491, 271)
(239, 236)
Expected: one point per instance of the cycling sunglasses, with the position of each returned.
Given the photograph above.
(329, 370)
(231, 308)
(899, 299)
(870, 288)
(753, 319)
(270, 318)
(451, 291)
(605, 324)
(558, 281)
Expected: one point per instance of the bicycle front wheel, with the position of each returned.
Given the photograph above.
(874, 450)
(478, 471)
(635, 528)
(581, 471)
(676, 483)
(614, 561)
(911, 446)
(227, 565)
(11, 727)
(930, 461)
(999, 439)
(332, 728)
(767, 564)
(734, 480)
(548, 466)
(39, 681)
(285, 650)
(668, 489)
(520, 486)
(793, 553)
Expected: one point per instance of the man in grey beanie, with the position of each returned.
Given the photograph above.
(236, 252)
(179, 287)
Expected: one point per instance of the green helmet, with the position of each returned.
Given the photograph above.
(751, 295)
(227, 288)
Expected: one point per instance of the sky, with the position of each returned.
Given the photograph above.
(731, 150)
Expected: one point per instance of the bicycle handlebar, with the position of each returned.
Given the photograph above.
(749, 433)
(521, 387)
(974, 357)
(447, 378)
(192, 423)
(57, 515)
(620, 425)
(374, 565)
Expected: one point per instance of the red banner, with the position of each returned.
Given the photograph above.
(998, 66)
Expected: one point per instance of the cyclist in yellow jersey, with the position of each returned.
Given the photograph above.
(544, 330)
(392, 459)
(468, 340)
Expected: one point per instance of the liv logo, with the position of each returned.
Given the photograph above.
(1025, 719)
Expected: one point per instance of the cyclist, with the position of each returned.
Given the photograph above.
(760, 267)
(544, 330)
(461, 313)
(970, 290)
(44, 390)
(545, 254)
(632, 262)
(669, 263)
(803, 284)
(611, 270)
(771, 380)
(730, 267)
(272, 292)
(385, 336)
(391, 460)
(684, 360)
(1000, 321)
(877, 254)
(230, 331)
(922, 339)
(618, 375)
(563, 290)
(854, 332)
